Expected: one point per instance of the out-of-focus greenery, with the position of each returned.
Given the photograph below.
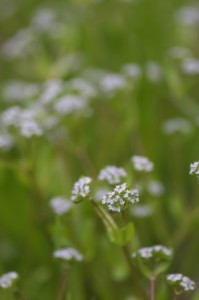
(100, 36)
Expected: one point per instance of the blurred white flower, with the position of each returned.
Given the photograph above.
(20, 91)
(179, 52)
(68, 254)
(69, 104)
(132, 70)
(153, 71)
(188, 15)
(8, 279)
(153, 251)
(190, 66)
(142, 163)
(181, 283)
(155, 188)
(112, 174)
(194, 168)
(6, 141)
(142, 211)
(176, 125)
(60, 205)
(81, 189)
(111, 83)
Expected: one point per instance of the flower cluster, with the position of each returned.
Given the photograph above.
(180, 283)
(112, 174)
(68, 254)
(153, 260)
(156, 251)
(194, 168)
(8, 279)
(142, 163)
(120, 198)
(60, 205)
(81, 189)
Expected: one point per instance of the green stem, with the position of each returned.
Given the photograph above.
(136, 281)
(152, 288)
(62, 287)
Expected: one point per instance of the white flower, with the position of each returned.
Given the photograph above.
(29, 128)
(68, 254)
(60, 205)
(6, 141)
(132, 70)
(176, 125)
(81, 188)
(7, 279)
(141, 211)
(111, 83)
(112, 174)
(120, 198)
(142, 163)
(181, 283)
(188, 15)
(154, 251)
(70, 104)
(194, 168)
(155, 188)
(153, 71)
(17, 91)
(51, 89)
(190, 66)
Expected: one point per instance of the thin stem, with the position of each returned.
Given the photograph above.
(134, 275)
(152, 288)
(62, 287)
(113, 225)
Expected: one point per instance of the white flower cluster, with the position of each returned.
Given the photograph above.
(22, 119)
(176, 125)
(142, 211)
(120, 198)
(153, 71)
(68, 254)
(60, 205)
(194, 168)
(152, 252)
(69, 104)
(155, 188)
(111, 83)
(132, 70)
(181, 283)
(8, 279)
(81, 189)
(188, 15)
(6, 141)
(190, 66)
(142, 163)
(112, 174)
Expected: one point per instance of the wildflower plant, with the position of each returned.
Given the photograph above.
(180, 284)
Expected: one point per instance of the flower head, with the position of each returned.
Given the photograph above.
(81, 189)
(8, 279)
(180, 283)
(68, 254)
(60, 205)
(120, 198)
(112, 174)
(142, 163)
(194, 169)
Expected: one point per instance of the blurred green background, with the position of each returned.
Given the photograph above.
(84, 39)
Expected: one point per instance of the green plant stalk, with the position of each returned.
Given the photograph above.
(124, 248)
(62, 286)
(152, 288)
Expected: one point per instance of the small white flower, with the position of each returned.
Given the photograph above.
(142, 163)
(60, 205)
(155, 188)
(111, 83)
(154, 251)
(81, 188)
(68, 254)
(181, 283)
(6, 141)
(153, 71)
(120, 198)
(190, 66)
(176, 125)
(29, 128)
(112, 174)
(132, 70)
(70, 104)
(8, 279)
(194, 168)
(142, 211)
